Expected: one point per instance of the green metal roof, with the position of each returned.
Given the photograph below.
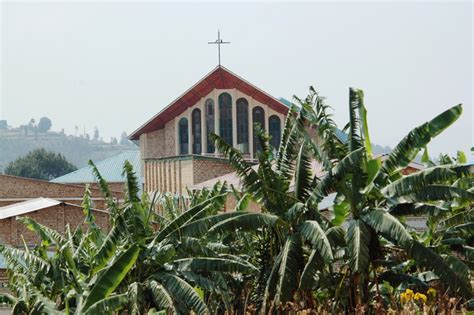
(110, 169)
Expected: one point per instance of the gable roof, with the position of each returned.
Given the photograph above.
(111, 169)
(218, 78)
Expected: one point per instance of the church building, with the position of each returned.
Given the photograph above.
(175, 145)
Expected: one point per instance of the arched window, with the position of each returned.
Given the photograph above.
(274, 129)
(210, 124)
(225, 117)
(258, 117)
(196, 130)
(243, 125)
(183, 136)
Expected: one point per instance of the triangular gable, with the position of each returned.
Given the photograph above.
(219, 78)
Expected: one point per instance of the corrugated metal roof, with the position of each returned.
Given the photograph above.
(26, 207)
(111, 169)
(341, 135)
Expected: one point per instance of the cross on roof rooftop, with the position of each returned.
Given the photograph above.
(218, 42)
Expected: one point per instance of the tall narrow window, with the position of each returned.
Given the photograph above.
(210, 124)
(225, 117)
(183, 136)
(258, 117)
(274, 129)
(243, 125)
(196, 129)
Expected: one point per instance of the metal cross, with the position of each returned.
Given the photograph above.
(219, 41)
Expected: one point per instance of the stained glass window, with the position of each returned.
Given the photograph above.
(210, 124)
(196, 130)
(183, 136)
(274, 129)
(258, 117)
(225, 118)
(243, 125)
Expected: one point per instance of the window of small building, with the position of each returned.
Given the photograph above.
(210, 124)
(243, 125)
(274, 129)
(258, 117)
(196, 130)
(183, 136)
(225, 118)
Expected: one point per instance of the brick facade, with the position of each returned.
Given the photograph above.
(209, 168)
(15, 189)
(55, 217)
(170, 138)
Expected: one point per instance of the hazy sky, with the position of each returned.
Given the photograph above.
(114, 65)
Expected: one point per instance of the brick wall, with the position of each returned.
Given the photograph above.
(116, 187)
(170, 139)
(14, 189)
(154, 144)
(55, 217)
(209, 168)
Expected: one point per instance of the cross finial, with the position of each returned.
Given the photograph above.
(219, 41)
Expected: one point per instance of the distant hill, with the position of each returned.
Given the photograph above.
(16, 142)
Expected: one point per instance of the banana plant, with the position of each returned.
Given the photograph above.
(303, 243)
(371, 189)
(140, 264)
(294, 233)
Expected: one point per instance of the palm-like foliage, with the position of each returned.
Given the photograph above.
(177, 254)
(367, 190)
(140, 264)
(289, 220)
(372, 189)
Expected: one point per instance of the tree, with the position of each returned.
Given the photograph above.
(44, 124)
(124, 139)
(95, 137)
(40, 164)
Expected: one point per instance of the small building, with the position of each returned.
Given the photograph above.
(52, 213)
(14, 189)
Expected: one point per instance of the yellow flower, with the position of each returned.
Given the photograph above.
(403, 298)
(409, 294)
(431, 292)
(420, 296)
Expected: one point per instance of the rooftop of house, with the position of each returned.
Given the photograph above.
(110, 169)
